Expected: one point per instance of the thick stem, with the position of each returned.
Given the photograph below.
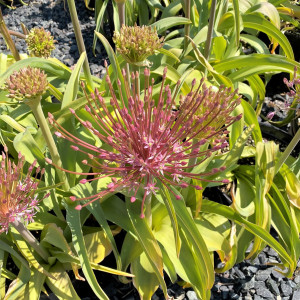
(121, 10)
(210, 28)
(30, 239)
(4, 31)
(39, 115)
(80, 42)
(148, 212)
(187, 26)
(288, 151)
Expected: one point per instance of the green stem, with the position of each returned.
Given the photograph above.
(121, 10)
(210, 29)
(30, 239)
(148, 211)
(39, 115)
(80, 42)
(4, 31)
(187, 26)
(288, 151)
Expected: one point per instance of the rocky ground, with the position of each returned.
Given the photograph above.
(248, 280)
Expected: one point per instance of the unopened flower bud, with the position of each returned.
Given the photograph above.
(27, 84)
(136, 43)
(40, 42)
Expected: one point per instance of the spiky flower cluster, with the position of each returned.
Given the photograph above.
(17, 199)
(150, 141)
(292, 99)
(27, 83)
(222, 101)
(40, 42)
(136, 43)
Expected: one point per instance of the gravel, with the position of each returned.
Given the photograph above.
(247, 280)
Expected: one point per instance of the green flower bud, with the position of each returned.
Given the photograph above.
(27, 84)
(136, 43)
(40, 42)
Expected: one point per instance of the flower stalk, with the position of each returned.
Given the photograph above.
(187, 26)
(80, 42)
(210, 29)
(28, 85)
(30, 239)
(4, 31)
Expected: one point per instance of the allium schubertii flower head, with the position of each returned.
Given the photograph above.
(17, 199)
(151, 140)
(136, 43)
(40, 42)
(27, 84)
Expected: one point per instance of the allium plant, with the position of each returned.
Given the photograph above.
(40, 42)
(136, 43)
(292, 101)
(17, 191)
(26, 84)
(151, 141)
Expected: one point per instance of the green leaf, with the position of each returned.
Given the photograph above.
(25, 143)
(228, 212)
(168, 53)
(62, 287)
(11, 122)
(50, 66)
(114, 63)
(251, 120)
(16, 289)
(73, 220)
(166, 23)
(147, 241)
(99, 22)
(166, 198)
(73, 83)
(145, 280)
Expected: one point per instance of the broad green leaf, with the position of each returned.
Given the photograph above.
(25, 143)
(166, 199)
(147, 241)
(166, 23)
(255, 42)
(145, 280)
(217, 208)
(73, 220)
(62, 287)
(168, 53)
(11, 122)
(35, 285)
(292, 185)
(73, 83)
(27, 252)
(8, 248)
(51, 67)
(251, 120)
(16, 289)
(67, 258)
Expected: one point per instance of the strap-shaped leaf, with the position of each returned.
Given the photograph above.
(73, 220)
(147, 240)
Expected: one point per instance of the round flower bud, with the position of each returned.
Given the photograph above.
(136, 43)
(40, 42)
(27, 84)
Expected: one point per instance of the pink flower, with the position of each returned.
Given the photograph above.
(17, 199)
(149, 140)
